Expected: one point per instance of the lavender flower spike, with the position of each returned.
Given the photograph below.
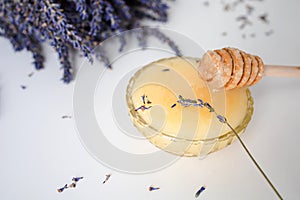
(76, 25)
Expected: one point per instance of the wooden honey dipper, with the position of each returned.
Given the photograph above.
(231, 68)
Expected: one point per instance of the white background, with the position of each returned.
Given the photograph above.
(40, 151)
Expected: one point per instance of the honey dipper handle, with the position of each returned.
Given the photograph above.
(281, 71)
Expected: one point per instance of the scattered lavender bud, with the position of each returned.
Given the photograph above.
(63, 188)
(76, 179)
(66, 117)
(23, 87)
(200, 191)
(148, 101)
(143, 99)
(224, 34)
(249, 9)
(264, 18)
(227, 7)
(151, 188)
(106, 178)
(243, 13)
(244, 21)
(270, 32)
(72, 185)
(30, 74)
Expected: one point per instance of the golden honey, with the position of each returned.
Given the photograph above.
(152, 95)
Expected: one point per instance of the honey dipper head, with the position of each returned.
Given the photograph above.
(230, 68)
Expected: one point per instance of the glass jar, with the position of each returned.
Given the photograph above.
(152, 99)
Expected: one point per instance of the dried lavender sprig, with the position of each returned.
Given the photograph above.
(101, 55)
(141, 38)
(63, 54)
(63, 30)
(115, 22)
(184, 102)
(112, 17)
(35, 48)
(79, 24)
(96, 22)
(162, 37)
(21, 41)
(154, 10)
(81, 7)
(122, 8)
(165, 39)
(142, 35)
(188, 102)
(23, 35)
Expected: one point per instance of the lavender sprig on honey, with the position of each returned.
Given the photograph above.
(185, 102)
(189, 102)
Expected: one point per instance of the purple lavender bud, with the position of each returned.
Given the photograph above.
(201, 103)
(151, 188)
(221, 118)
(209, 107)
(76, 179)
(173, 105)
(200, 191)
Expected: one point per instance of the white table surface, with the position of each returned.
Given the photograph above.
(40, 151)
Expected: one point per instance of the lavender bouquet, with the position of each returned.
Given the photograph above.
(75, 25)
